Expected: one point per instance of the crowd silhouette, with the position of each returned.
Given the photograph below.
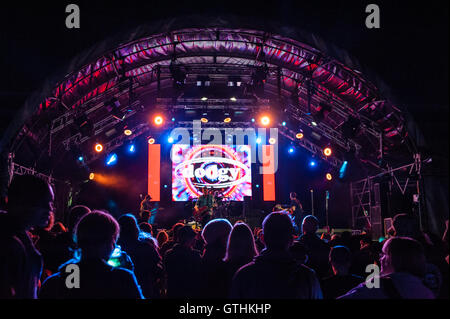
(128, 258)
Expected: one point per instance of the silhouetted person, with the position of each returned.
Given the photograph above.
(316, 248)
(241, 249)
(213, 281)
(29, 204)
(96, 236)
(275, 274)
(182, 265)
(173, 239)
(364, 256)
(298, 252)
(342, 280)
(146, 259)
(403, 266)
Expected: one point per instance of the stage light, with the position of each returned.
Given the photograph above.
(204, 98)
(151, 141)
(127, 132)
(272, 140)
(170, 139)
(265, 120)
(253, 120)
(173, 119)
(233, 99)
(204, 120)
(91, 176)
(257, 185)
(327, 151)
(329, 177)
(299, 136)
(343, 169)
(314, 123)
(227, 120)
(258, 140)
(111, 159)
(158, 120)
(80, 158)
(284, 123)
(312, 163)
(98, 147)
(291, 150)
(131, 148)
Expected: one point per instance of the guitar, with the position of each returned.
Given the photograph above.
(200, 212)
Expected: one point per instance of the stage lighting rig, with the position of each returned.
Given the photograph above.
(113, 107)
(321, 113)
(350, 127)
(177, 73)
(83, 125)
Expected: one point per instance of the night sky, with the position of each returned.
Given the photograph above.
(409, 52)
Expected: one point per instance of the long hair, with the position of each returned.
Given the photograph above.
(241, 244)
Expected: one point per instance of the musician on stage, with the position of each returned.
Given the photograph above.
(205, 204)
(297, 211)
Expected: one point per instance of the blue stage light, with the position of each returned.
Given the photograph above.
(258, 140)
(131, 148)
(284, 123)
(343, 169)
(80, 158)
(291, 150)
(312, 163)
(253, 120)
(173, 119)
(111, 159)
(170, 139)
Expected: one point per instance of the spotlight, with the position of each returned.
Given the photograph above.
(258, 140)
(265, 120)
(299, 136)
(313, 123)
(343, 169)
(204, 98)
(312, 163)
(111, 159)
(329, 177)
(291, 150)
(170, 139)
(227, 120)
(98, 147)
(91, 176)
(131, 148)
(253, 120)
(127, 132)
(233, 99)
(151, 140)
(284, 123)
(158, 120)
(80, 158)
(327, 151)
(173, 119)
(272, 140)
(204, 120)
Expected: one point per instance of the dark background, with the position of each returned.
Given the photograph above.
(409, 53)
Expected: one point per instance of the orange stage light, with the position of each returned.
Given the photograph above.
(98, 147)
(327, 151)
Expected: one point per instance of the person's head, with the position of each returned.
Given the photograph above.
(146, 227)
(30, 201)
(146, 214)
(162, 237)
(310, 225)
(277, 231)
(216, 232)
(403, 254)
(365, 241)
(186, 236)
(298, 251)
(405, 226)
(293, 195)
(241, 244)
(129, 229)
(174, 231)
(96, 234)
(340, 260)
(75, 215)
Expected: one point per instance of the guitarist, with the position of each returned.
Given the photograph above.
(203, 207)
(296, 211)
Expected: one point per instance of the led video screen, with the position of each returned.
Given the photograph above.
(222, 168)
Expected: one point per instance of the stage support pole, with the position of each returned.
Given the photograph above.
(312, 202)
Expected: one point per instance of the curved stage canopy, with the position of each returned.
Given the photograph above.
(108, 89)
